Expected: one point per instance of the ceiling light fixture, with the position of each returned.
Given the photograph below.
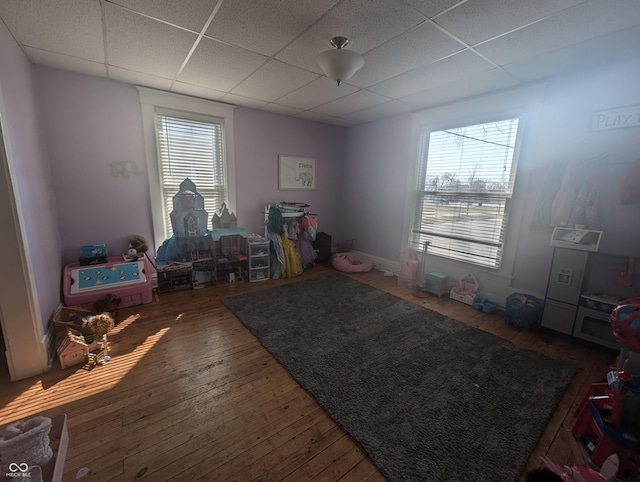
(339, 64)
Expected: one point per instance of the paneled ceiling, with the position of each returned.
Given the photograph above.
(261, 53)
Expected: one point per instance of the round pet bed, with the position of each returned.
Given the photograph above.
(351, 263)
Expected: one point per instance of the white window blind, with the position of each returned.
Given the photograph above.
(194, 149)
(465, 181)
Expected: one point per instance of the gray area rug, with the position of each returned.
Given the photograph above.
(428, 398)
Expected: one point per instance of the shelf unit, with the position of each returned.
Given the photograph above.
(259, 260)
(230, 255)
(195, 268)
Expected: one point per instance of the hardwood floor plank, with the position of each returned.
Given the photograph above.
(362, 471)
(292, 461)
(186, 457)
(190, 394)
(286, 454)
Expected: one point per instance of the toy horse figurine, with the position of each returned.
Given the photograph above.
(100, 325)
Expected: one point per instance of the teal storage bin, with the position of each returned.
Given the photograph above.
(523, 311)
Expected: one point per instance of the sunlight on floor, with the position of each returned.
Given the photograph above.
(21, 406)
(82, 383)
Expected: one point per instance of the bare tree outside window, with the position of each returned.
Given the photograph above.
(466, 181)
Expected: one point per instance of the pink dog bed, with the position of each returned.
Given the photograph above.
(351, 263)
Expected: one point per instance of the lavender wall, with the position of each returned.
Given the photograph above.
(259, 138)
(379, 159)
(363, 172)
(31, 173)
(89, 123)
(565, 136)
(376, 177)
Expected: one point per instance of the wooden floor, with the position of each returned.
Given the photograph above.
(191, 395)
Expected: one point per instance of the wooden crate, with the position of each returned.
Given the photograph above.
(70, 317)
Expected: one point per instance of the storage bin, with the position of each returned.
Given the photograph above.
(484, 304)
(322, 245)
(94, 250)
(71, 318)
(523, 310)
(59, 443)
(435, 283)
(408, 272)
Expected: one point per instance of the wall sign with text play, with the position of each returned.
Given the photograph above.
(616, 118)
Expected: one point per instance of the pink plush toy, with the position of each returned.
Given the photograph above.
(607, 473)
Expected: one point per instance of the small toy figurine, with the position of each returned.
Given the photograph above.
(100, 325)
(553, 472)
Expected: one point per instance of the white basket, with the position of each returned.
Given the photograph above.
(466, 291)
(466, 298)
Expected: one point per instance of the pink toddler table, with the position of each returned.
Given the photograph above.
(129, 280)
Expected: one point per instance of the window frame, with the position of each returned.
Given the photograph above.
(420, 191)
(524, 103)
(152, 100)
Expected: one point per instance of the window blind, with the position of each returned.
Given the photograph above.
(466, 177)
(191, 149)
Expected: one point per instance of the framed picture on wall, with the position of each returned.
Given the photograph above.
(296, 173)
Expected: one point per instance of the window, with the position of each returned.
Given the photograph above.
(186, 137)
(465, 181)
(193, 149)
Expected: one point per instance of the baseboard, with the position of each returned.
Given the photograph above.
(494, 287)
(49, 341)
(382, 264)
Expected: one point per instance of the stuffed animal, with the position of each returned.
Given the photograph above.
(99, 325)
(139, 244)
(107, 303)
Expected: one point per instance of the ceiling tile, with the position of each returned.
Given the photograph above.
(387, 109)
(191, 14)
(482, 83)
(367, 24)
(264, 52)
(451, 69)
(265, 27)
(338, 121)
(318, 92)
(475, 21)
(431, 8)
(219, 66)
(610, 48)
(243, 101)
(273, 80)
(421, 45)
(62, 26)
(65, 62)
(588, 20)
(281, 109)
(138, 78)
(357, 101)
(144, 45)
(197, 91)
(314, 116)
